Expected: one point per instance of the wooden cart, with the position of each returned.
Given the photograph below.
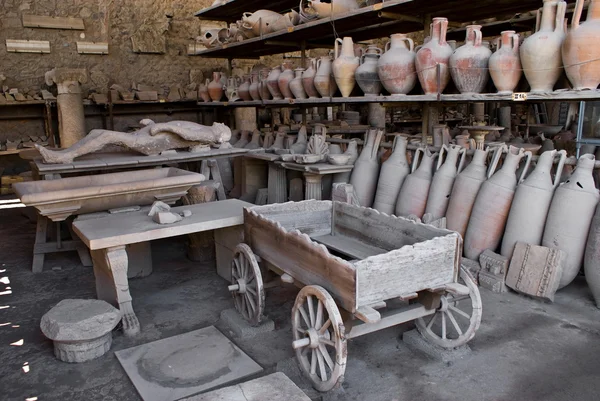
(375, 270)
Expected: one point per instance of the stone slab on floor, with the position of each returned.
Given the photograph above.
(276, 386)
(415, 341)
(240, 326)
(187, 364)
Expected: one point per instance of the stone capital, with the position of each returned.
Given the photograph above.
(67, 79)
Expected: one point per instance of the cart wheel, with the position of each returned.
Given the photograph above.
(247, 288)
(318, 330)
(456, 320)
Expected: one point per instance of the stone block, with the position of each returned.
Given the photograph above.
(415, 341)
(535, 270)
(492, 282)
(493, 262)
(342, 192)
(240, 326)
(472, 267)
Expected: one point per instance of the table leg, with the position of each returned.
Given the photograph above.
(277, 184)
(110, 270)
(313, 186)
(41, 237)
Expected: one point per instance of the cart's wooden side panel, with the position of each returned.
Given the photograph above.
(309, 217)
(412, 268)
(297, 255)
(381, 230)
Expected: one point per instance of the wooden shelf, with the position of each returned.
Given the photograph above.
(27, 103)
(233, 9)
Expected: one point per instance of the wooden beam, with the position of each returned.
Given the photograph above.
(399, 17)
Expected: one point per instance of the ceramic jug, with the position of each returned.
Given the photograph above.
(433, 56)
(393, 172)
(284, 80)
(324, 80)
(366, 169)
(296, 85)
(591, 262)
(469, 63)
(412, 198)
(203, 91)
(215, 88)
(531, 203)
(254, 92)
(466, 187)
(352, 151)
(540, 53)
(308, 79)
(344, 66)
(570, 217)
(232, 89)
(263, 89)
(492, 205)
(443, 179)
(505, 63)
(366, 74)
(331, 8)
(273, 83)
(396, 67)
(244, 89)
(580, 50)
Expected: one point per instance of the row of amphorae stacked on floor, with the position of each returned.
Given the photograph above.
(492, 205)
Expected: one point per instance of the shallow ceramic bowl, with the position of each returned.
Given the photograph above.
(533, 148)
(339, 160)
(307, 159)
(546, 129)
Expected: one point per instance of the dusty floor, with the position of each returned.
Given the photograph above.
(524, 350)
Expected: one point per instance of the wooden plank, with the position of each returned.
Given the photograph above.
(348, 246)
(27, 46)
(309, 217)
(367, 314)
(138, 227)
(295, 254)
(40, 21)
(390, 318)
(92, 47)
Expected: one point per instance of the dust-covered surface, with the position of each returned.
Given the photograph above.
(524, 350)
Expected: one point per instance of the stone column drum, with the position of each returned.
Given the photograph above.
(71, 120)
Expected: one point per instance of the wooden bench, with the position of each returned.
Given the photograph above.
(108, 237)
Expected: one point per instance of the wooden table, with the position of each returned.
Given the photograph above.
(313, 175)
(107, 238)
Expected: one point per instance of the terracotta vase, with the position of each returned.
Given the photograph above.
(492, 206)
(215, 88)
(465, 189)
(254, 91)
(203, 91)
(505, 64)
(540, 53)
(324, 80)
(308, 79)
(581, 51)
(263, 89)
(434, 56)
(366, 169)
(366, 74)
(332, 8)
(344, 66)
(570, 217)
(231, 90)
(296, 85)
(393, 172)
(260, 21)
(469, 63)
(396, 67)
(531, 203)
(415, 188)
(244, 89)
(591, 262)
(443, 179)
(284, 81)
(273, 83)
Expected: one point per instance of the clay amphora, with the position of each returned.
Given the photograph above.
(415, 188)
(529, 209)
(466, 187)
(540, 53)
(366, 169)
(244, 89)
(580, 50)
(260, 21)
(505, 63)
(366, 74)
(263, 89)
(203, 91)
(255, 142)
(273, 83)
(284, 81)
(469, 63)
(443, 180)
(324, 80)
(570, 217)
(393, 172)
(591, 262)
(333, 7)
(492, 205)
(296, 85)
(232, 89)
(434, 56)
(269, 139)
(215, 88)
(396, 67)
(254, 92)
(308, 78)
(243, 141)
(344, 66)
